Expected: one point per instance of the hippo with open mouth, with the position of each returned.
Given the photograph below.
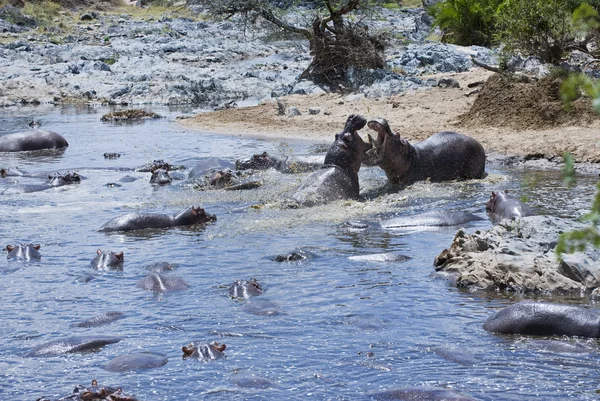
(338, 177)
(140, 221)
(32, 140)
(445, 156)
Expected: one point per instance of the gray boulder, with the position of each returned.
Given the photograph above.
(518, 255)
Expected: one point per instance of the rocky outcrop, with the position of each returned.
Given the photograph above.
(518, 255)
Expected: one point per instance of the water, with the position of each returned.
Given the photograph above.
(345, 328)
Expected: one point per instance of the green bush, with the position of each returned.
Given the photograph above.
(540, 28)
(466, 22)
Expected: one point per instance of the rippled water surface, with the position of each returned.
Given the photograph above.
(345, 327)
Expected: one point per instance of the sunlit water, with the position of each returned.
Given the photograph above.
(346, 328)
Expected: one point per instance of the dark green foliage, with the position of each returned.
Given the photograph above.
(466, 22)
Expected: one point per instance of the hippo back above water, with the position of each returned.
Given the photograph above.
(32, 140)
(140, 221)
(445, 156)
(502, 206)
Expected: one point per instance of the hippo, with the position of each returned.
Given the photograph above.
(545, 319)
(420, 394)
(32, 140)
(140, 221)
(71, 344)
(100, 320)
(156, 282)
(207, 165)
(160, 177)
(244, 289)
(94, 392)
(158, 164)
(502, 206)
(445, 156)
(338, 177)
(224, 179)
(265, 161)
(205, 352)
(435, 218)
(58, 179)
(262, 307)
(111, 155)
(107, 260)
(55, 180)
(13, 172)
(136, 361)
(24, 252)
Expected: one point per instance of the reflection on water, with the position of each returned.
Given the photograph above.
(327, 327)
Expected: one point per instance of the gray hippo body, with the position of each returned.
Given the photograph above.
(445, 156)
(107, 260)
(158, 164)
(244, 289)
(136, 361)
(32, 140)
(265, 161)
(545, 319)
(205, 352)
(71, 344)
(156, 282)
(140, 221)
(55, 180)
(208, 165)
(421, 394)
(24, 252)
(100, 320)
(502, 206)
(338, 177)
(441, 218)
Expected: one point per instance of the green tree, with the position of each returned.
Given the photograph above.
(338, 46)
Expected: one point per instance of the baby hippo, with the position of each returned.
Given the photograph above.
(107, 260)
(502, 206)
(244, 289)
(205, 352)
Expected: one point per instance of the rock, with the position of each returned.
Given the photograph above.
(448, 83)
(314, 111)
(518, 255)
(293, 112)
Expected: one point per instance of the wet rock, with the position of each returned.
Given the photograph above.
(518, 255)
(129, 115)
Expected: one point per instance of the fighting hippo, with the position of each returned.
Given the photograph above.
(71, 344)
(338, 177)
(545, 319)
(100, 320)
(136, 361)
(32, 140)
(107, 260)
(205, 352)
(434, 218)
(94, 392)
(265, 161)
(444, 156)
(502, 206)
(244, 289)
(156, 282)
(140, 221)
(24, 252)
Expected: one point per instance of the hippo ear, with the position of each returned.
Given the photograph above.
(119, 256)
(187, 351)
(9, 248)
(37, 247)
(3, 172)
(99, 251)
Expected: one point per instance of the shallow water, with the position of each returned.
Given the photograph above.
(344, 328)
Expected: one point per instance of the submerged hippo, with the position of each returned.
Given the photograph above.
(244, 289)
(421, 394)
(71, 344)
(435, 218)
(545, 319)
(156, 282)
(265, 161)
(136, 361)
(160, 177)
(55, 180)
(94, 392)
(32, 140)
(23, 252)
(107, 260)
(502, 206)
(140, 221)
(205, 352)
(13, 172)
(100, 320)
(338, 177)
(445, 156)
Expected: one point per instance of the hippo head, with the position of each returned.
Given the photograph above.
(495, 198)
(214, 350)
(261, 161)
(388, 151)
(24, 252)
(221, 178)
(193, 215)
(348, 149)
(58, 179)
(160, 177)
(107, 259)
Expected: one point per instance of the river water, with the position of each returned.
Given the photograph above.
(345, 327)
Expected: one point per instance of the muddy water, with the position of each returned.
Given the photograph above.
(343, 327)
